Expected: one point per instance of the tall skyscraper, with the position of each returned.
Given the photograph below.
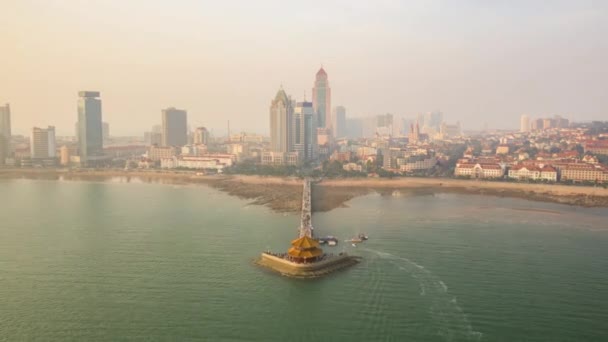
(524, 124)
(321, 100)
(354, 128)
(5, 132)
(105, 129)
(90, 131)
(339, 124)
(434, 120)
(201, 136)
(175, 127)
(384, 124)
(304, 128)
(281, 116)
(42, 143)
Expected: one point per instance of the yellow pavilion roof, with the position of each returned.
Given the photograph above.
(305, 253)
(304, 242)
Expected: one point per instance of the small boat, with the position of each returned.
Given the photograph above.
(354, 245)
(329, 240)
(362, 236)
(355, 240)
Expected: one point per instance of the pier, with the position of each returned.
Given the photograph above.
(305, 259)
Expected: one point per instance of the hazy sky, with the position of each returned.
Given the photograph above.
(478, 61)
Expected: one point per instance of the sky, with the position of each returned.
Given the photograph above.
(480, 62)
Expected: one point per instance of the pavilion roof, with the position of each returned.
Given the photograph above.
(304, 243)
(305, 253)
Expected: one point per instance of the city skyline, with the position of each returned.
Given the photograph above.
(480, 63)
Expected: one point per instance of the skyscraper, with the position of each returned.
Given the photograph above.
(524, 124)
(90, 135)
(281, 115)
(5, 132)
(339, 124)
(303, 128)
(42, 143)
(321, 100)
(175, 127)
(105, 129)
(201, 136)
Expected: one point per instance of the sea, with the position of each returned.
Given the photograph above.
(132, 261)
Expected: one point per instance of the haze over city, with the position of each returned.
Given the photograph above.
(479, 63)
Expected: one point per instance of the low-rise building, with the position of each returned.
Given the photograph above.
(525, 172)
(211, 162)
(157, 153)
(581, 172)
(352, 167)
(279, 158)
(421, 164)
(479, 170)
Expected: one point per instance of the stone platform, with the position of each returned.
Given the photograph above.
(288, 268)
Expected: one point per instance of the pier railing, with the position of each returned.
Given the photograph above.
(306, 228)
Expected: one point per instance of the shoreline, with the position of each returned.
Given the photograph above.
(283, 194)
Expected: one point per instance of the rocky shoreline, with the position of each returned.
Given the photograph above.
(284, 194)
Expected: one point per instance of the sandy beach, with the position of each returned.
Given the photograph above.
(284, 194)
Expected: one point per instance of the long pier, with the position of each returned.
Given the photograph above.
(306, 228)
(296, 263)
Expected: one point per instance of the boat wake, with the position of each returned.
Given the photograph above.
(453, 324)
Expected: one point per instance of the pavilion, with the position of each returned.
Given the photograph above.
(304, 250)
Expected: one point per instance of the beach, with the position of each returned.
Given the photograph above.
(283, 194)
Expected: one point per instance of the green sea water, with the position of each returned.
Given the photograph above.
(84, 261)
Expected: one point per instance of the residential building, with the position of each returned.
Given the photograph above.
(418, 164)
(303, 128)
(174, 127)
(90, 129)
(596, 147)
(281, 116)
(42, 143)
(201, 136)
(279, 158)
(157, 153)
(105, 129)
(524, 124)
(153, 138)
(5, 133)
(64, 155)
(584, 173)
(339, 124)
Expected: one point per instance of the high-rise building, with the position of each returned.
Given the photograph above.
(201, 136)
(321, 100)
(90, 131)
(281, 116)
(153, 138)
(339, 125)
(5, 132)
(354, 128)
(433, 121)
(65, 155)
(304, 128)
(105, 129)
(384, 124)
(524, 124)
(42, 143)
(175, 127)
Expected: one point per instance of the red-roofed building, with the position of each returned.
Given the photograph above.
(585, 172)
(597, 147)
